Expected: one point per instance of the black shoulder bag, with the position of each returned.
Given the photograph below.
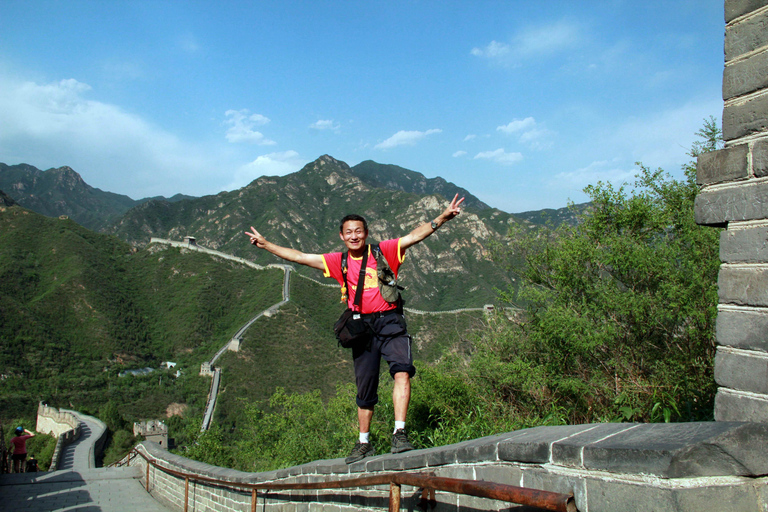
(351, 328)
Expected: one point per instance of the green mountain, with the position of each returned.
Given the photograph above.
(78, 307)
(451, 269)
(393, 177)
(62, 191)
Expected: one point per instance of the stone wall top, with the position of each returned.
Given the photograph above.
(665, 450)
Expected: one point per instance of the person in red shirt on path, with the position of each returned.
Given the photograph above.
(19, 444)
(391, 339)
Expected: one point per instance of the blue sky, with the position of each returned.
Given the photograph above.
(522, 103)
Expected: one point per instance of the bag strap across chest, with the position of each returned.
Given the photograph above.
(358, 301)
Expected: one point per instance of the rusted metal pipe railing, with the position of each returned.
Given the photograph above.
(429, 483)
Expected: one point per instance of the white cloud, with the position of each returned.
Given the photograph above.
(661, 139)
(517, 125)
(603, 170)
(533, 41)
(658, 139)
(458, 154)
(325, 124)
(500, 156)
(469, 137)
(53, 125)
(547, 39)
(241, 127)
(533, 135)
(495, 50)
(272, 164)
(405, 138)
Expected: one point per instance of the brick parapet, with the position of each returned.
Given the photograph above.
(734, 195)
(677, 467)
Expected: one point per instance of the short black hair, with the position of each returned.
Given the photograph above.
(353, 216)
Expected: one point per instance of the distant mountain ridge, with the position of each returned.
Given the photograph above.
(62, 191)
(301, 210)
(393, 177)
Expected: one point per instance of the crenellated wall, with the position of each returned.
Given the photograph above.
(62, 424)
(735, 196)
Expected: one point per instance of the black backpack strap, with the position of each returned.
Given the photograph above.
(361, 278)
(361, 281)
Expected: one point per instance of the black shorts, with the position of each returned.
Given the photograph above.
(19, 456)
(390, 341)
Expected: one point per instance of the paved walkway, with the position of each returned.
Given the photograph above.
(90, 490)
(78, 485)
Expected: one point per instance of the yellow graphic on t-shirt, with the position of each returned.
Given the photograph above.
(371, 279)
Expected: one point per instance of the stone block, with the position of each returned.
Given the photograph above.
(683, 450)
(731, 405)
(736, 8)
(482, 449)
(723, 165)
(746, 36)
(760, 157)
(534, 444)
(745, 76)
(744, 245)
(743, 285)
(741, 369)
(745, 117)
(748, 201)
(441, 456)
(610, 496)
(743, 328)
(553, 481)
(567, 452)
(507, 474)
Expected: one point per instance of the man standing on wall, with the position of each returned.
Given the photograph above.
(390, 338)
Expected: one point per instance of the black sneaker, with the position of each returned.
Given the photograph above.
(400, 441)
(359, 452)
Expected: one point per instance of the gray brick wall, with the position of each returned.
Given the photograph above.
(675, 467)
(735, 195)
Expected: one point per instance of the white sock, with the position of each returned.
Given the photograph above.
(399, 425)
(364, 437)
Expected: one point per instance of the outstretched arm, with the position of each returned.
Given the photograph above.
(286, 253)
(424, 230)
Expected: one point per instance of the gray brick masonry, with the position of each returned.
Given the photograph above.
(743, 328)
(742, 369)
(677, 450)
(746, 76)
(744, 245)
(746, 36)
(760, 157)
(736, 8)
(719, 206)
(743, 285)
(745, 118)
(731, 405)
(723, 165)
(695, 466)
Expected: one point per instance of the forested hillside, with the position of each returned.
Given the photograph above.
(79, 307)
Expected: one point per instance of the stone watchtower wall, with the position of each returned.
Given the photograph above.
(735, 196)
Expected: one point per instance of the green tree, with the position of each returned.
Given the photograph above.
(620, 308)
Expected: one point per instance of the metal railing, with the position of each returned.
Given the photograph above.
(427, 483)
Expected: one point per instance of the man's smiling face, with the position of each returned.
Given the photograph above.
(354, 234)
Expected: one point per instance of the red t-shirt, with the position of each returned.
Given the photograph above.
(372, 300)
(20, 442)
